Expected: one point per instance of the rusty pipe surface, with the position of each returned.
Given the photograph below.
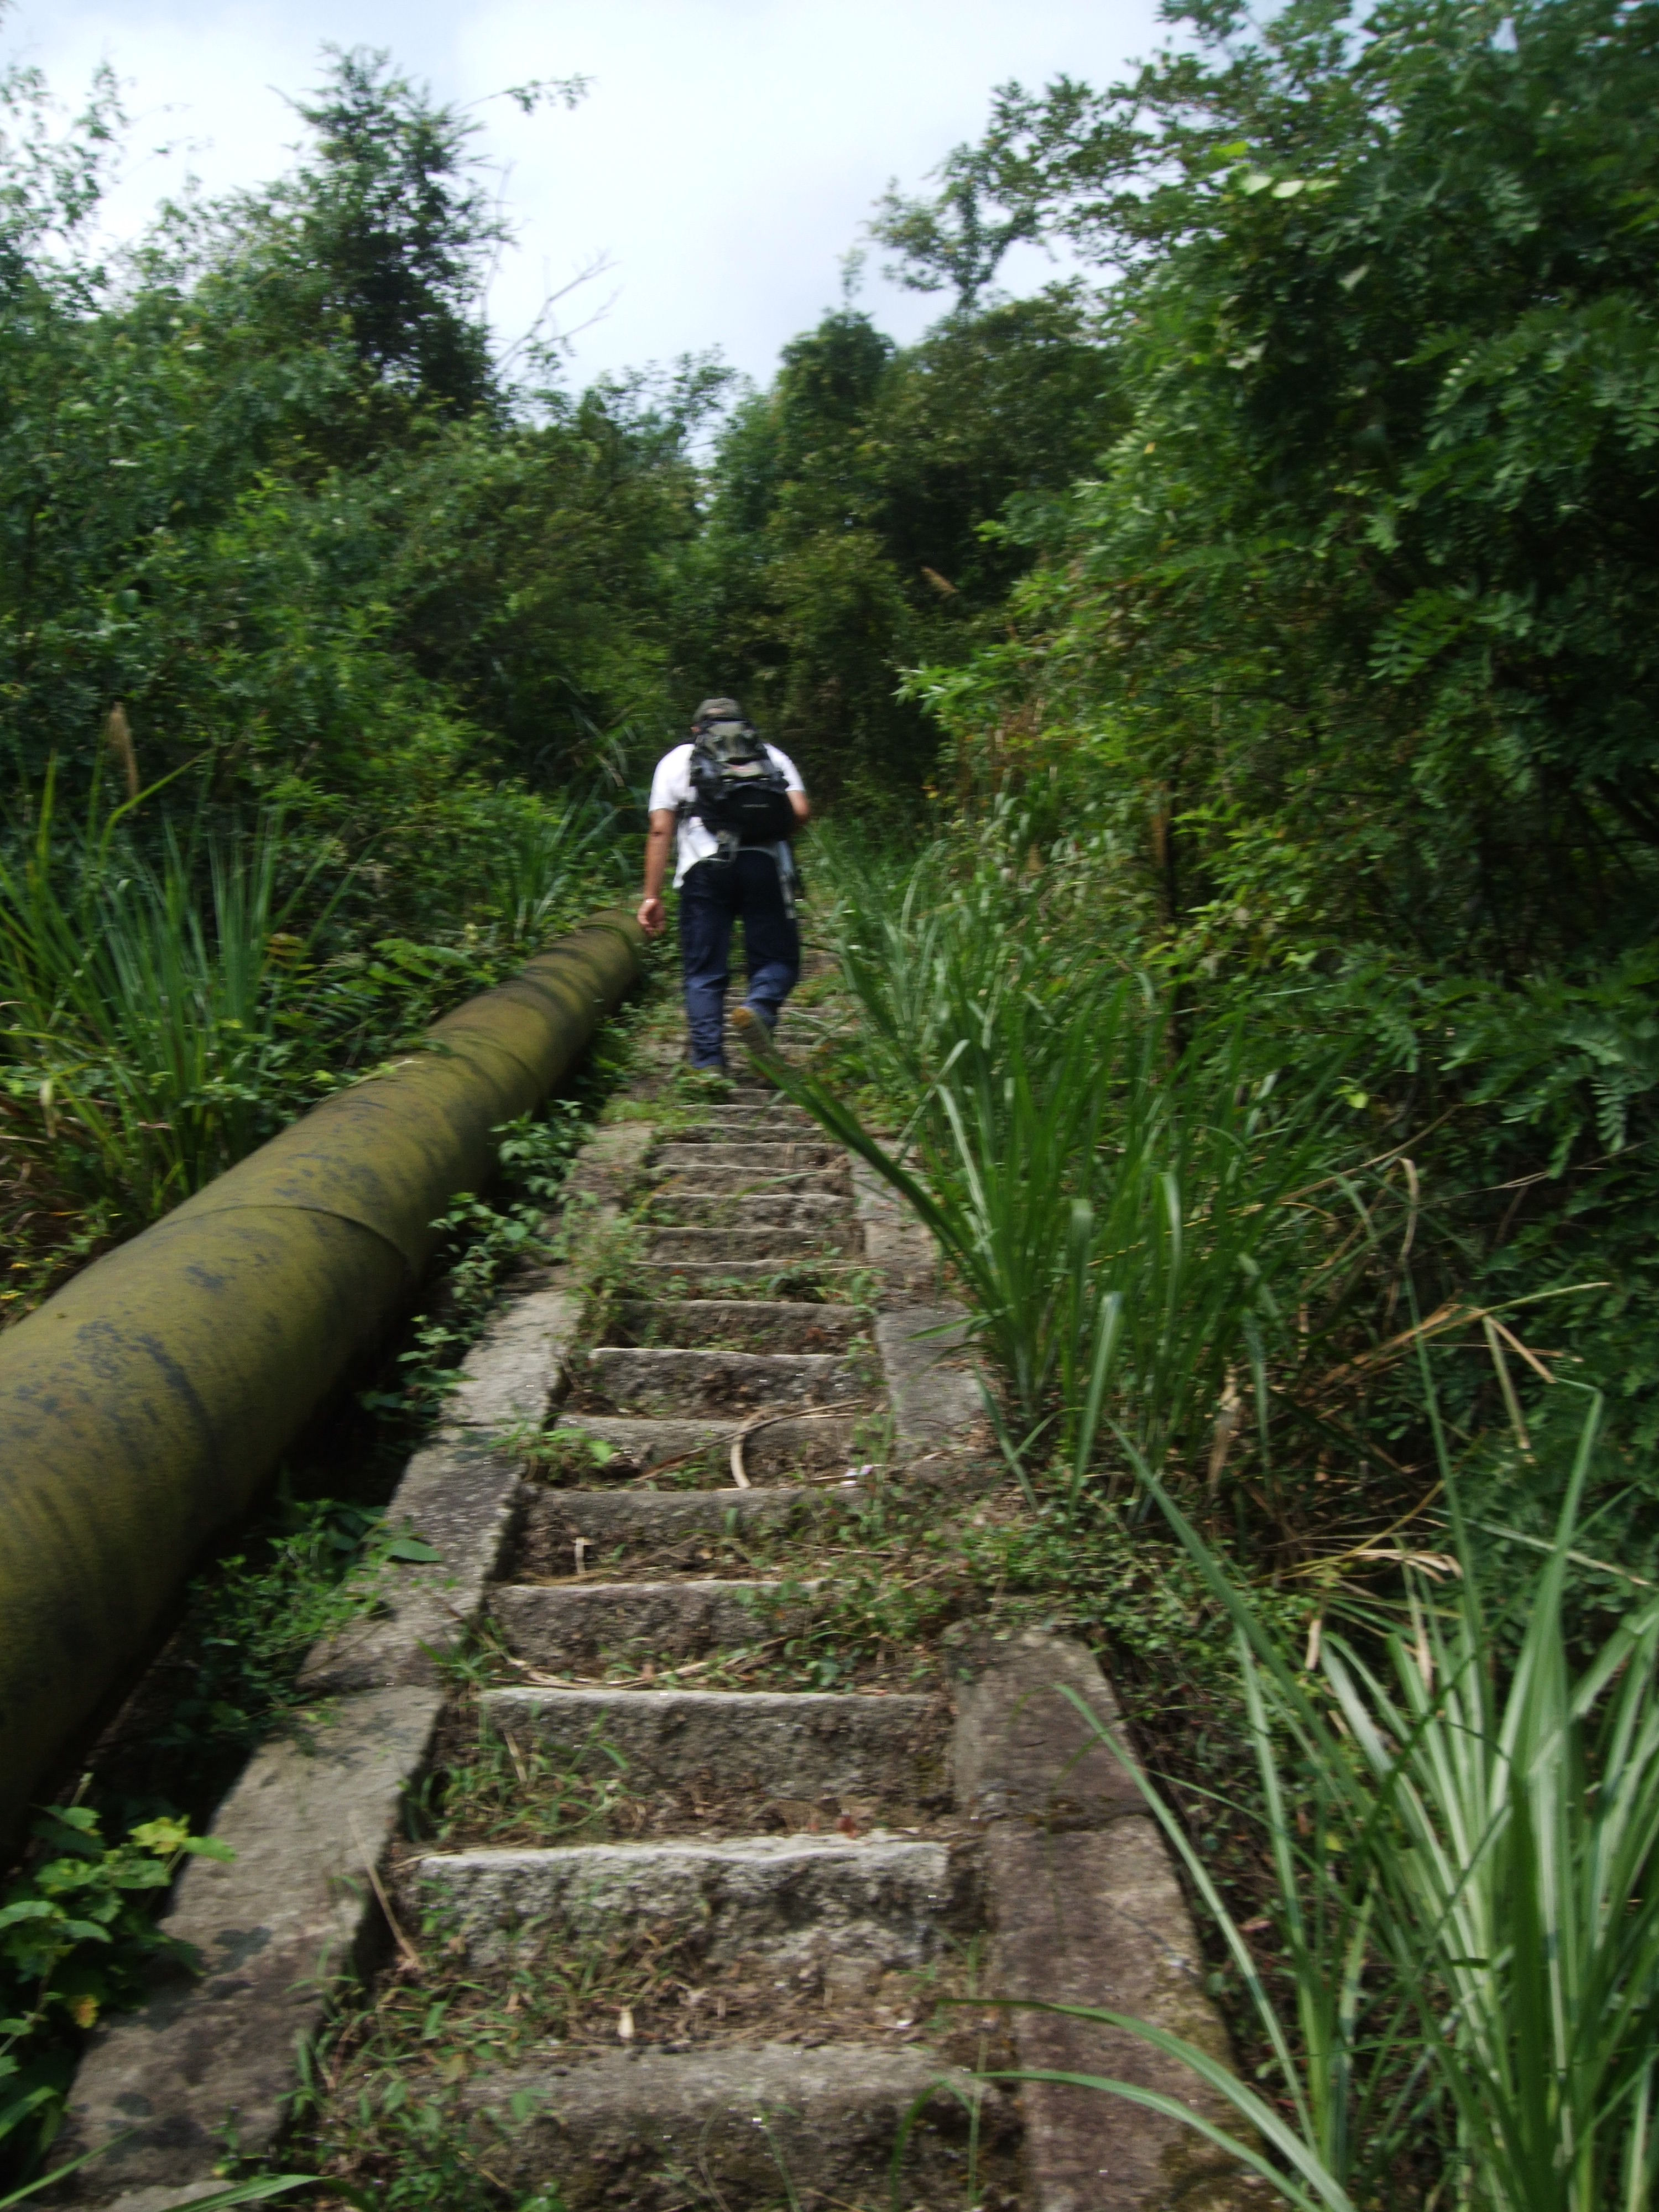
(144, 1406)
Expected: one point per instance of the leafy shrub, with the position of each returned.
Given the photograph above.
(78, 1931)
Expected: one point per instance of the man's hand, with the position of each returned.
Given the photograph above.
(653, 916)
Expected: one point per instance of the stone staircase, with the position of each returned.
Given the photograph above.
(725, 1411)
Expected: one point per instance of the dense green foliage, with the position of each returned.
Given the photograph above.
(1364, 597)
(264, 485)
(1338, 663)
(319, 639)
(843, 539)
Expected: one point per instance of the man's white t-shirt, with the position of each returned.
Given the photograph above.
(672, 789)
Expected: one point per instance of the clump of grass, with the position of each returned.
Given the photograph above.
(170, 997)
(147, 1022)
(1467, 1910)
(1120, 1200)
(504, 1791)
(531, 856)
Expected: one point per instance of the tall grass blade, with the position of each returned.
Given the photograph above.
(1503, 1842)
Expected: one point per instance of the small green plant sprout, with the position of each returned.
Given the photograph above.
(699, 1086)
(563, 1455)
(77, 1932)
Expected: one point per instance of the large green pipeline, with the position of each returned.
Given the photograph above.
(142, 1408)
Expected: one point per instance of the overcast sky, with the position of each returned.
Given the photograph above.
(723, 162)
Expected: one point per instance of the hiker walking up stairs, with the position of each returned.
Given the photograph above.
(730, 806)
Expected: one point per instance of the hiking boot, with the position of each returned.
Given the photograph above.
(752, 1026)
(711, 1080)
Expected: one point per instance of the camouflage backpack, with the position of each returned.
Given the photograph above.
(738, 792)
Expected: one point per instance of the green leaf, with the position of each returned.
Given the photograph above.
(164, 1837)
(86, 1931)
(29, 1908)
(207, 1847)
(413, 1548)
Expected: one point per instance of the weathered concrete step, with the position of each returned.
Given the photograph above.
(718, 1154)
(561, 1626)
(785, 1743)
(707, 1181)
(794, 1900)
(805, 1211)
(606, 1521)
(782, 1273)
(751, 1324)
(649, 1379)
(752, 1121)
(756, 2127)
(707, 1247)
(803, 1444)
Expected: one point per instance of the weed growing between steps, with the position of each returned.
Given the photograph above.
(901, 1565)
(748, 1325)
(456, 2013)
(385, 2118)
(485, 1788)
(883, 1582)
(498, 1789)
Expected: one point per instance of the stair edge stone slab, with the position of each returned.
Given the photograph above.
(1085, 1908)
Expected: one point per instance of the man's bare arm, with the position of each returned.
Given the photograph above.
(659, 844)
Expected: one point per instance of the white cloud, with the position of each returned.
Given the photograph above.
(724, 161)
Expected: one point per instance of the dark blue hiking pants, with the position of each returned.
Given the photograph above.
(711, 899)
